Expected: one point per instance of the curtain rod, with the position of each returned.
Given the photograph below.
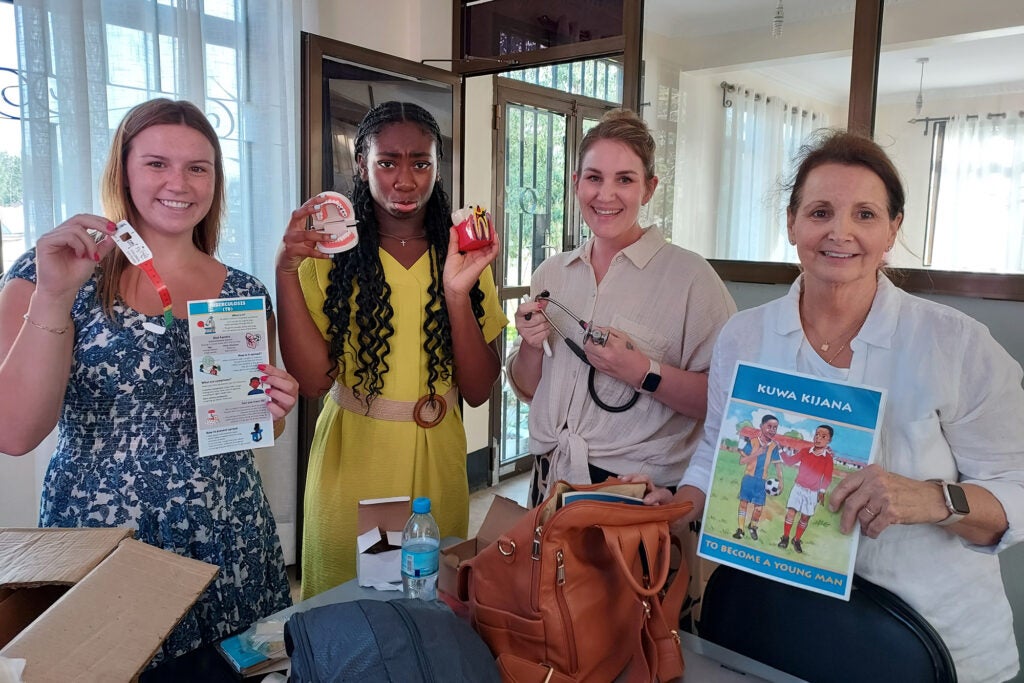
(928, 120)
(732, 87)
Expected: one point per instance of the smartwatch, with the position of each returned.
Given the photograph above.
(652, 379)
(956, 502)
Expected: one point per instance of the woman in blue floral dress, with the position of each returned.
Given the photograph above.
(79, 349)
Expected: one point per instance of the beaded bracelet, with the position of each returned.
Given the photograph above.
(51, 330)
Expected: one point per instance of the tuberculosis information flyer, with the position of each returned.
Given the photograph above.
(229, 342)
(785, 442)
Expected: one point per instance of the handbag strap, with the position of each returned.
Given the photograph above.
(627, 540)
(658, 640)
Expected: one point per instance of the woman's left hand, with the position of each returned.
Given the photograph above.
(282, 390)
(617, 356)
(462, 269)
(876, 499)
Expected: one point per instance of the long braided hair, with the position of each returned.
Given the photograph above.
(370, 322)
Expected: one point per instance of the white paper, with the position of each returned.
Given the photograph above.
(228, 338)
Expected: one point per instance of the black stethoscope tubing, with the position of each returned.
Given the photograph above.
(582, 355)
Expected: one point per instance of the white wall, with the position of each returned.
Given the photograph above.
(410, 29)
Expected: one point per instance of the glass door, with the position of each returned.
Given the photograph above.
(538, 131)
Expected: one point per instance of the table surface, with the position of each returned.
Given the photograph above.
(705, 661)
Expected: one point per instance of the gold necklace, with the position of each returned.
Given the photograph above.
(403, 240)
(850, 334)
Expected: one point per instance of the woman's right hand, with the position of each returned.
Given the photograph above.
(653, 494)
(298, 243)
(67, 255)
(531, 325)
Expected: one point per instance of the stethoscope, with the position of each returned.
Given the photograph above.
(598, 337)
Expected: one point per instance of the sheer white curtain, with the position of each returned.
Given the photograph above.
(979, 222)
(86, 62)
(761, 136)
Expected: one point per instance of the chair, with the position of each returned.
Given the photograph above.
(875, 636)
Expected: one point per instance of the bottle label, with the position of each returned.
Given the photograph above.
(420, 559)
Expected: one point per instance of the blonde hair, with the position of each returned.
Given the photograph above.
(115, 195)
(626, 127)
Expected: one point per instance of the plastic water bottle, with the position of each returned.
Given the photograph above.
(421, 544)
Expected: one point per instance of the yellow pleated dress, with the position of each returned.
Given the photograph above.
(354, 457)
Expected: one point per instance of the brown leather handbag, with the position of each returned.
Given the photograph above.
(577, 592)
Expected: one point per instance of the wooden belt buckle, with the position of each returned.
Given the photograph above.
(418, 411)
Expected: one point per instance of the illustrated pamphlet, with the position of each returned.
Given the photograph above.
(785, 442)
(229, 341)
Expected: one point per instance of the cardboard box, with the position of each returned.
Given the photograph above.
(90, 604)
(379, 545)
(500, 517)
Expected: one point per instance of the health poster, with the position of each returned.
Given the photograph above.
(786, 440)
(229, 341)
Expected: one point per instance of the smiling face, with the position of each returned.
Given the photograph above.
(841, 227)
(769, 428)
(611, 186)
(400, 165)
(171, 176)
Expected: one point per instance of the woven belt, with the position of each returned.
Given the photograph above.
(424, 412)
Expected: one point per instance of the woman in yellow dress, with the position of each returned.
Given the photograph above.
(394, 330)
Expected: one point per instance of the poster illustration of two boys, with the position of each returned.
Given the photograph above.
(786, 440)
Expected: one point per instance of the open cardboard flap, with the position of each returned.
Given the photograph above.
(379, 544)
(500, 517)
(125, 598)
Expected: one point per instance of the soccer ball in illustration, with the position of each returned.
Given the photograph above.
(772, 487)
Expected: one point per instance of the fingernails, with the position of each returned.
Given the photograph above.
(96, 257)
(267, 391)
(264, 378)
(111, 227)
(261, 367)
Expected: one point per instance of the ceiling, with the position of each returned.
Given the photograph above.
(978, 62)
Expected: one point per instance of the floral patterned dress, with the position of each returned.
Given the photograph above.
(127, 456)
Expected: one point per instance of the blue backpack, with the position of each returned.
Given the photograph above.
(371, 641)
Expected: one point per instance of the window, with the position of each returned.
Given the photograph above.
(12, 221)
(977, 179)
(82, 68)
(761, 136)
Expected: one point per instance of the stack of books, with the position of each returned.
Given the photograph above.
(247, 660)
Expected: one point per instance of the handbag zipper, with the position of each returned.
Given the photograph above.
(563, 608)
(535, 568)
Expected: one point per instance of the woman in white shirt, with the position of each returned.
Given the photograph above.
(945, 492)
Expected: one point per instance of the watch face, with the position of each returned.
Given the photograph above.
(651, 382)
(958, 499)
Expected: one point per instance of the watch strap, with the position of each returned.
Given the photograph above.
(954, 516)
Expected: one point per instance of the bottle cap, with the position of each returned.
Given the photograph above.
(421, 505)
